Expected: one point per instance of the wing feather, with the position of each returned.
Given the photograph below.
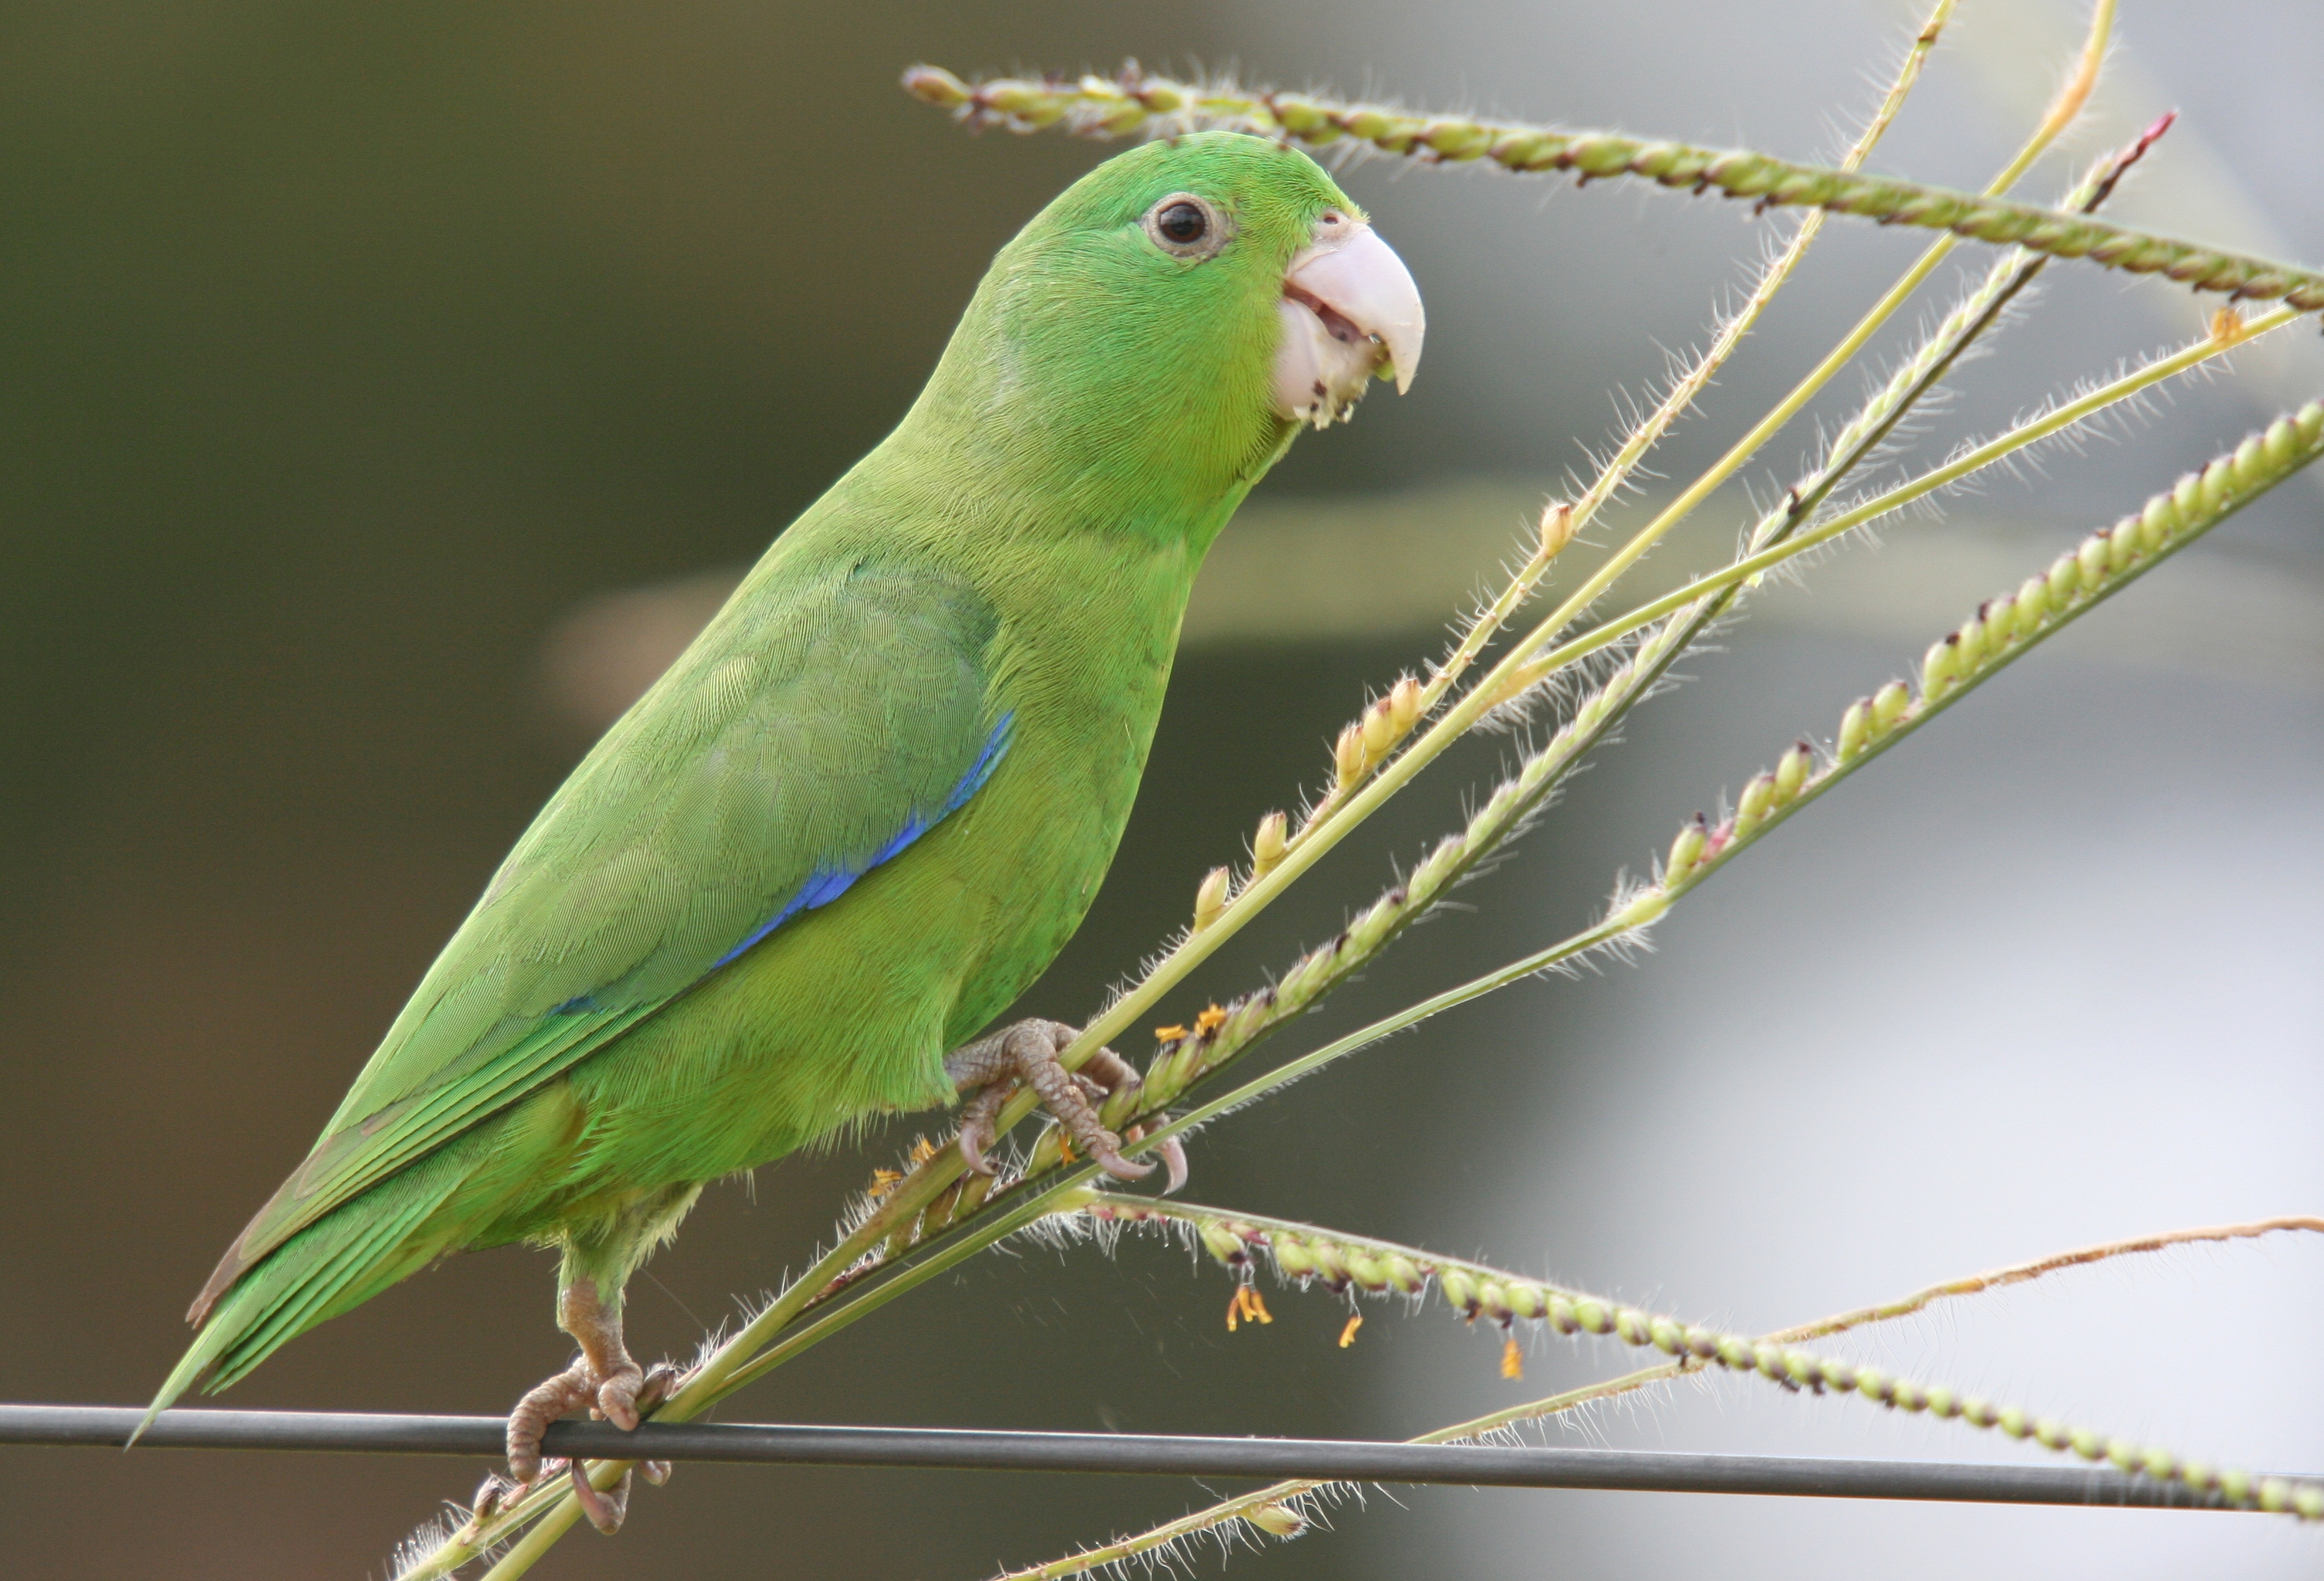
(826, 719)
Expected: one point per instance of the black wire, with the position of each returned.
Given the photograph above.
(1295, 1459)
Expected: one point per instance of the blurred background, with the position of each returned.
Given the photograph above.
(388, 388)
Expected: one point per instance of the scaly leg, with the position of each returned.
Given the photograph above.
(604, 1379)
(988, 1069)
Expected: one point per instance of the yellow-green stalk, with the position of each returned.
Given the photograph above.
(1136, 102)
(1305, 1255)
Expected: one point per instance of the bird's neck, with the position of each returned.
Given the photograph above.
(1048, 445)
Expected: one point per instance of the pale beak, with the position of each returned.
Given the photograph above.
(1349, 309)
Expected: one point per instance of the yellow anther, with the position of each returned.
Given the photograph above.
(1245, 1305)
(1348, 1334)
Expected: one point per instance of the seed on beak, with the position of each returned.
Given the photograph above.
(1350, 309)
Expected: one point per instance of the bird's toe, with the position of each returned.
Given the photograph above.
(546, 1401)
(616, 1398)
(606, 1508)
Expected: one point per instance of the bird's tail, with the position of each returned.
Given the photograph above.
(333, 1265)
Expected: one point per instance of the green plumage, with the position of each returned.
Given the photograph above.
(968, 637)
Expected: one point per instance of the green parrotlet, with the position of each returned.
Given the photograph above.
(872, 801)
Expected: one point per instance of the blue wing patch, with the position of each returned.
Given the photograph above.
(828, 885)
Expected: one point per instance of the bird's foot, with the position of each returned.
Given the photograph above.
(987, 1070)
(623, 1393)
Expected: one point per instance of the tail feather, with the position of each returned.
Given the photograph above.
(332, 1265)
(334, 1285)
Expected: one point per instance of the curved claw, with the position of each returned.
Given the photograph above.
(1104, 1147)
(1112, 1074)
(1110, 1160)
(606, 1510)
(1174, 1156)
(978, 1121)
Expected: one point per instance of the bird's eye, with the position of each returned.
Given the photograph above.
(1185, 226)
(1183, 223)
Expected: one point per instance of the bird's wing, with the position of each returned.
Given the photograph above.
(812, 733)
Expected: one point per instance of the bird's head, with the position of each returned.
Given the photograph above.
(1189, 304)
